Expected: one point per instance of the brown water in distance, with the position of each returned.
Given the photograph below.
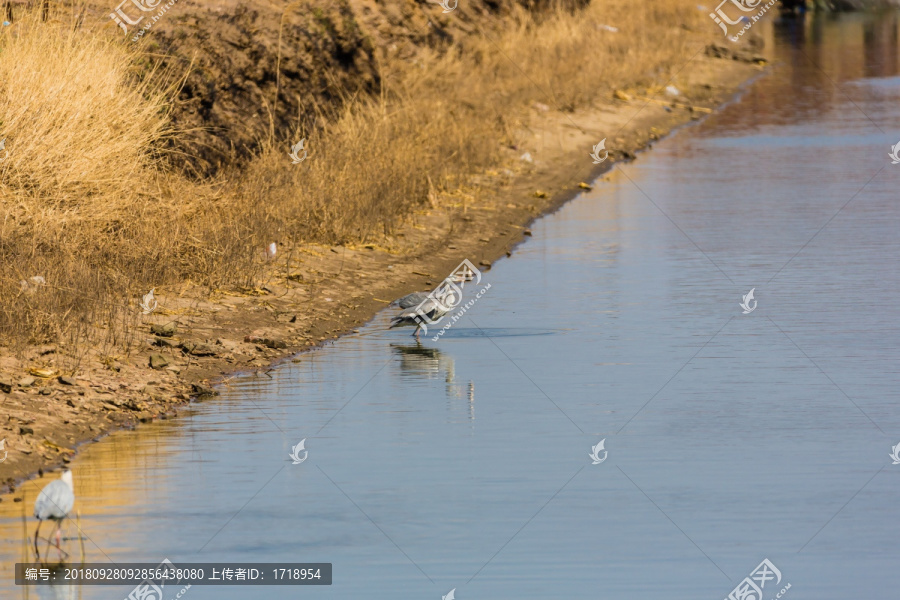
(464, 463)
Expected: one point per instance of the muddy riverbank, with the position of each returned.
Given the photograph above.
(313, 294)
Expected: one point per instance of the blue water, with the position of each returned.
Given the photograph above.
(464, 463)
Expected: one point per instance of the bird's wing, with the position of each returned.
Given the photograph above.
(426, 307)
(429, 308)
(54, 501)
(39, 506)
(413, 299)
(66, 502)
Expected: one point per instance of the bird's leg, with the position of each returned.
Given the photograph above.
(36, 533)
(58, 540)
(416, 333)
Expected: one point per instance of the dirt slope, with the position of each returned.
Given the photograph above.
(315, 294)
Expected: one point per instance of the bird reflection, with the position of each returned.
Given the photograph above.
(64, 591)
(418, 360)
(422, 361)
(55, 591)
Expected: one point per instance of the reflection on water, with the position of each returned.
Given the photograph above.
(422, 361)
(730, 438)
(496, 332)
(57, 591)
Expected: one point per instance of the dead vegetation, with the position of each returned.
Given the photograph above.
(92, 203)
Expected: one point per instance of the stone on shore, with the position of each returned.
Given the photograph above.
(164, 330)
(158, 361)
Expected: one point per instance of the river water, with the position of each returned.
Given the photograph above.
(464, 463)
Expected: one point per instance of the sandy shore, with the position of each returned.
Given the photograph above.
(314, 294)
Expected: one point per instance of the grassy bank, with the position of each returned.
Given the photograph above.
(94, 204)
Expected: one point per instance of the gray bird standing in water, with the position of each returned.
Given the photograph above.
(55, 502)
(433, 308)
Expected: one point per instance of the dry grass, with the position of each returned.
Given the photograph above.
(88, 205)
(445, 116)
(79, 124)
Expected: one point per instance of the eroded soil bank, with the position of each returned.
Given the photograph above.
(313, 294)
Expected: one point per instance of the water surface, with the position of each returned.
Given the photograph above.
(464, 463)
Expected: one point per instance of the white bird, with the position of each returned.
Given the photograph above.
(270, 251)
(55, 502)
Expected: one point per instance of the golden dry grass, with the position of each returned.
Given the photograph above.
(79, 124)
(88, 205)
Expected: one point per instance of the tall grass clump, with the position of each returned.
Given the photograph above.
(81, 125)
(88, 204)
(446, 114)
(80, 121)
